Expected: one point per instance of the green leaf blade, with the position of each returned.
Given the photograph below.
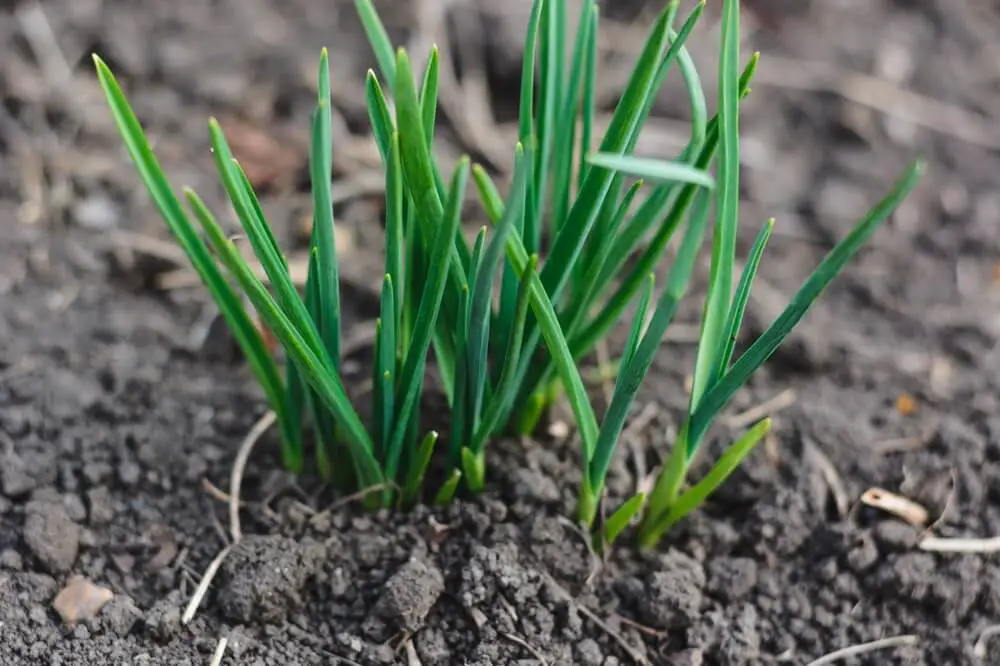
(378, 38)
(651, 210)
(386, 362)
(169, 206)
(411, 375)
(655, 169)
(481, 302)
(721, 471)
(831, 266)
(418, 468)
(742, 297)
(631, 376)
(506, 388)
(571, 238)
(395, 245)
(713, 335)
(379, 116)
(321, 175)
(447, 491)
(638, 322)
(474, 470)
(313, 367)
(620, 519)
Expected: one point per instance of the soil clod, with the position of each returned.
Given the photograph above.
(264, 577)
(50, 534)
(408, 596)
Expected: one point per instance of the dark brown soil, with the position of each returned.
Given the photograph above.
(118, 396)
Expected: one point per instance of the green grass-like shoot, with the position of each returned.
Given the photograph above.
(510, 318)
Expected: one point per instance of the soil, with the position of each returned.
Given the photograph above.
(120, 395)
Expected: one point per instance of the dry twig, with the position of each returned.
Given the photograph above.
(901, 444)
(634, 654)
(831, 476)
(527, 646)
(960, 545)
(780, 402)
(220, 650)
(202, 589)
(863, 648)
(239, 466)
(979, 649)
(235, 480)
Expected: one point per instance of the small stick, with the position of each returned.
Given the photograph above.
(946, 545)
(214, 491)
(855, 650)
(592, 616)
(780, 402)
(220, 650)
(649, 631)
(523, 643)
(979, 649)
(897, 505)
(219, 529)
(235, 479)
(831, 476)
(900, 445)
(236, 476)
(595, 561)
(360, 495)
(202, 589)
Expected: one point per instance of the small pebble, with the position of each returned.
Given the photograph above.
(74, 508)
(893, 535)
(101, 509)
(38, 615)
(97, 473)
(11, 559)
(96, 213)
(81, 600)
(50, 534)
(15, 479)
(129, 472)
(120, 615)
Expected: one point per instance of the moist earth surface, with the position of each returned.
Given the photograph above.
(123, 404)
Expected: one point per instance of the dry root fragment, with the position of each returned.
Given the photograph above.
(960, 545)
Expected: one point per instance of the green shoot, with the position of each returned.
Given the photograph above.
(510, 319)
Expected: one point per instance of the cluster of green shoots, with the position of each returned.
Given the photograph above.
(573, 247)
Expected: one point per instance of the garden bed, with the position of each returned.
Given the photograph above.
(123, 404)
